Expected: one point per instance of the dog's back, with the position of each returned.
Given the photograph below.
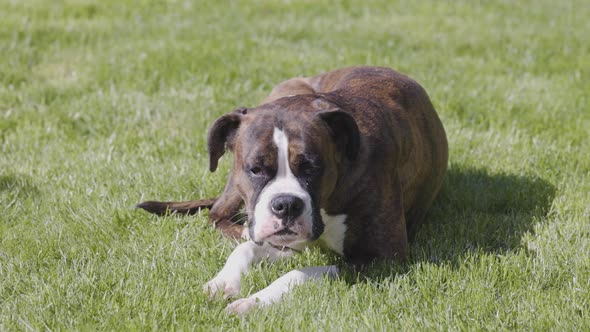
(386, 96)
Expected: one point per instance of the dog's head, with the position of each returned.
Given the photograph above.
(287, 158)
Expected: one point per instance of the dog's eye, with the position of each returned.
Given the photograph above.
(307, 166)
(256, 170)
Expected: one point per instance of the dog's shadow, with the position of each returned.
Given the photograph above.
(476, 212)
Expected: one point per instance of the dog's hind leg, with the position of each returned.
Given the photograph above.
(225, 213)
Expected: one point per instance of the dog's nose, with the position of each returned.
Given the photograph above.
(287, 206)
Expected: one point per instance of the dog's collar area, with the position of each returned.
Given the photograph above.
(283, 248)
(280, 248)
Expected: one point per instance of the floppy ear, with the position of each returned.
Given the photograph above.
(345, 132)
(221, 134)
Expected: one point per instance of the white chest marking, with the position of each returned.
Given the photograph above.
(334, 231)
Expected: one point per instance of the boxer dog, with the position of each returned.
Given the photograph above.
(352, 158)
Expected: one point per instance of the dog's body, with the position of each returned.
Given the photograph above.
(353, 158)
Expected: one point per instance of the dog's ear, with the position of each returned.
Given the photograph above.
(345, 131)
(222, 135)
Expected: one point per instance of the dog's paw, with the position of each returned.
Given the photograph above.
(220, 286)
(242, 306)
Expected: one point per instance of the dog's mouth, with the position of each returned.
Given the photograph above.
(280, 232)
(284, 231)
(284, 237)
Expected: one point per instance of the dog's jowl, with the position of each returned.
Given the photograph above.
(352, 158)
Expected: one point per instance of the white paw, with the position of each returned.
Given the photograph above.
(220, 286)
(242, 306)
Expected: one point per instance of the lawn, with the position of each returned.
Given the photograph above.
(104, 104)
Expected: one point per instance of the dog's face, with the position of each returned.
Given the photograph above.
(287, 155)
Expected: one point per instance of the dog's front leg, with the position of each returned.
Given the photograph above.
(227, 281)
(282, 285)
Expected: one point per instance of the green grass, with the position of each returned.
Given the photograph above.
(104, 104)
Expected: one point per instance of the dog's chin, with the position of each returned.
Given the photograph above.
(282, 238)
(287, 241)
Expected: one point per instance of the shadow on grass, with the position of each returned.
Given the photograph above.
(476, 212)
(17, 186)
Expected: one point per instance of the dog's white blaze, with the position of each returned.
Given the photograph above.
(334, 231)
(284, 183)
(282, 142)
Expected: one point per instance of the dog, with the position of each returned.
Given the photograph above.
(352, 158)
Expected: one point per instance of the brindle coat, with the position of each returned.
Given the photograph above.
(384, 155)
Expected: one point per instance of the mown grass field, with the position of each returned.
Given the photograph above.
(104, 104)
